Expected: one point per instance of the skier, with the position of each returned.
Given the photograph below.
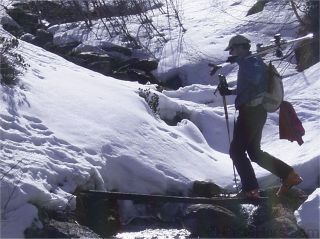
(251, 84)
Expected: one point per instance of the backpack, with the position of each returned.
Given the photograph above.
(273, 97)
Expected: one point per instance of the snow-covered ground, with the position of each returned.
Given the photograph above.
(307, 217)
(66, 127)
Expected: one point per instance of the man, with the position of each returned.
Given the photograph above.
(251, 85)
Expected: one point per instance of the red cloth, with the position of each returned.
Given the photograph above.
(290, 127)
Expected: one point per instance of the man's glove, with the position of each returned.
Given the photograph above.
(223, 90)
(223, 86)
(232, 59)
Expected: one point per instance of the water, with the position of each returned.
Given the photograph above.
(155, 234)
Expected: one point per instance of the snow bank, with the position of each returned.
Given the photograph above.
(66, 128)
(308, 215)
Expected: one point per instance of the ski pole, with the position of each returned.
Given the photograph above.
(223, 81)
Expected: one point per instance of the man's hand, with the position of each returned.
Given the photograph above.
(223, 90)
(223, 86)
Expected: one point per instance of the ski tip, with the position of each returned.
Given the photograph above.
(310, 35)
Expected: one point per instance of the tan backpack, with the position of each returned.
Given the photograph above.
(273, 97)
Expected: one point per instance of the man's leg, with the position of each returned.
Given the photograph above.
(263, 159)
(241, 137)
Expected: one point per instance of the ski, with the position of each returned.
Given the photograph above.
(277, 45)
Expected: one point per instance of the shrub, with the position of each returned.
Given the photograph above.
(11, 63)
(152, 99)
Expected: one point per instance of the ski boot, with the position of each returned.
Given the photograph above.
(291, 180)
(252, 194)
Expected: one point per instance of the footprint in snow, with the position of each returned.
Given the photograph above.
(7, 118)
(38, 126)
(32, 119)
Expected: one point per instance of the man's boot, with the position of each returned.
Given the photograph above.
(252, 194)
(291, 180)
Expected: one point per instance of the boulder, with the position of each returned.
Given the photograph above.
(42, 37)
(93, 57)
(292, 200)
(257, 7)
(54, 12)
(60, 229)
(111, 49)
(63, 50)
(103, 67)
(276, 218)
(28, 21)
(143, 65)
(205, 189)
(98, 214)
(11, 26)
(87, 48)
(212, 221)
(279, 227)
(28, 37)
(136, 75)
(173, 82)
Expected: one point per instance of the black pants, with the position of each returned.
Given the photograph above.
(247, 138)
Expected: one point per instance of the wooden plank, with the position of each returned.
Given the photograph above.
(145, 198)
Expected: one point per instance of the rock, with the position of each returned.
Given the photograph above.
(110, 48)
(97, 62)
(280, 227)
(61, 229)
(307, 53)
(257, 7)
(292, 200)
(143, 65)
(205, 189)
(173, 120)
(98, 214)
(42, 37)
(103, 67)
(88, 48)
(93, 57)
(212, 221)
(28, 21)
(63, 50)
(276, 218)
(28, 37)
(52, 11)
(11, 26)
(173, 82)
(136, 75)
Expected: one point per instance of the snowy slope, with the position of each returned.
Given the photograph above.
(66, 127)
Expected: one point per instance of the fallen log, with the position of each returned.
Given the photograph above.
(145, 198)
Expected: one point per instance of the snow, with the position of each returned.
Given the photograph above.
(308, 215)
(66, 128)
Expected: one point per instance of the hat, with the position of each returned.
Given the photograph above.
(237, 40)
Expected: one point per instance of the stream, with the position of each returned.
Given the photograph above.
(155, 233)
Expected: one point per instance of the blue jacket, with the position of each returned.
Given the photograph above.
(251, 79)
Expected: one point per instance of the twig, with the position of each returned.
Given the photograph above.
(6, 173)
